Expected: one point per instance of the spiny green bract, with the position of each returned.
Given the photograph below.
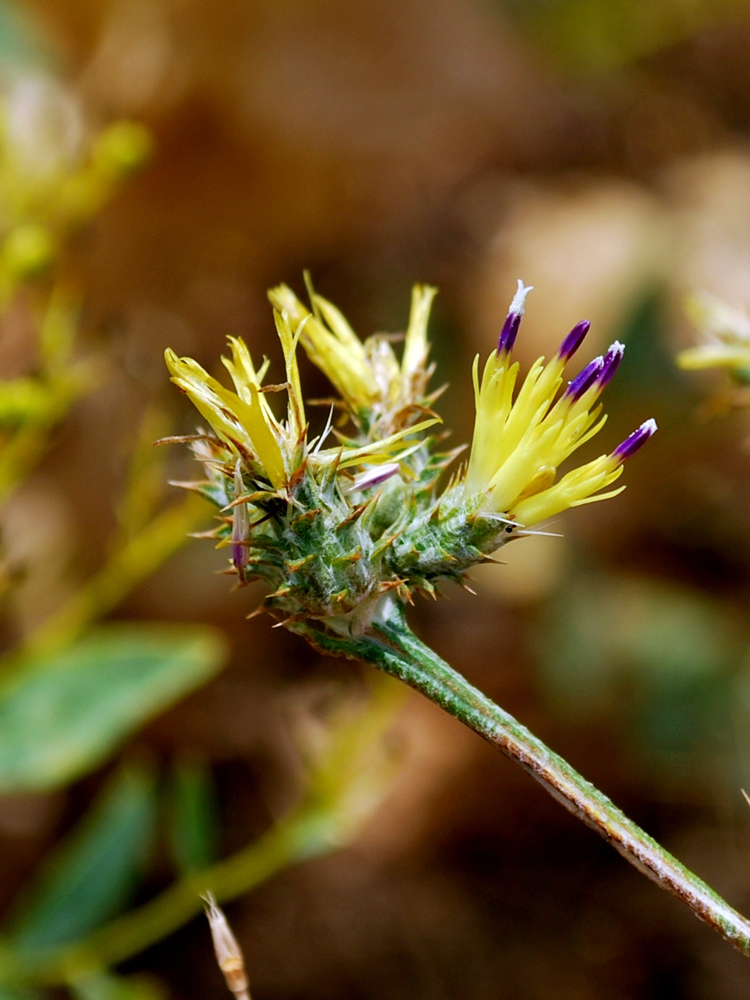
(327, 554)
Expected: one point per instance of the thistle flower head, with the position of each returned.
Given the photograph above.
(334, 530)
(523, 435)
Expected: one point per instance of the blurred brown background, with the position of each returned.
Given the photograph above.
(598, 149)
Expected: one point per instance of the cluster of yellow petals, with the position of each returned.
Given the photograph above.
(366, 374)
(522, 436)
(242, 419)
(726, 333)
(519, 444)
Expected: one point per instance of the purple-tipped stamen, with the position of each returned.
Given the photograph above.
(239, 557)
(574, 340)
(584, 379)
(636, 440)
(372, 477)
(240, 535)
(240, 526)
(509, 332)
(612, 360)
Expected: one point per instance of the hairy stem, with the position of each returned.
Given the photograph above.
(392, 647)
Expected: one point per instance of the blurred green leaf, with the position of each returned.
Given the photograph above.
(93, 872)
(650, 366)
(65, 713)
(600, 35)
(19, 46)
(664, 636)
(194, 831)
(108, 986)
(672, 635)
(661, 655)
(17, 993)
(146, 475)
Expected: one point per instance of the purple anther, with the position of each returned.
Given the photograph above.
(574, 340)
(585, 379)
(636, 440)
(372, 477)
(612, 360)
(240, 535)
(509, 332)
(240, 526)
(239, 557)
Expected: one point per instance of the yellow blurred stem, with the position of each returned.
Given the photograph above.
(136, 559)
(24, 447)
(146, 477)
(328, 817)
(20, 454)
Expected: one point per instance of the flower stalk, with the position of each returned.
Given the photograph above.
(392, 647)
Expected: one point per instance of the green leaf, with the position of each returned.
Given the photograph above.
(19, 39)
(93, 872)
(665, 637)
(108, 986)
(194, 830)
(17, 993)
(65, 713)
(603, 35)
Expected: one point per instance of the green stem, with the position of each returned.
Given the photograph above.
(392, 647)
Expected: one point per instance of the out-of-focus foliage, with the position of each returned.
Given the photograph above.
(600, 35)
(63, 714)
(52, 180)
(725, 333)
(194, 830)
(682, 638)
(102, 985)
(58, 936)
(94, 871)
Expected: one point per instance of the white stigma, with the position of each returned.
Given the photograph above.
(518, 305)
